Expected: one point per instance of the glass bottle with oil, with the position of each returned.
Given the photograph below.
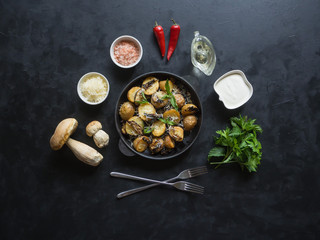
(203, 55)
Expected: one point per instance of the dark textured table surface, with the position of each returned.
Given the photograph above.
(46, 46)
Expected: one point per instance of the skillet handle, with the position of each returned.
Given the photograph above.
(125, 150)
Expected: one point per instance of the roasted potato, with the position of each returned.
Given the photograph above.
(169, 142)
(173, 115)
(163, 85)
(189, 122)
(132, 93)
(189, 109)
(157, 101)
(145, 109)
(176, 133)
(126, 110)
(150, 85)
(138, 97)
(123, 129)
(179, 100)
(134, 126)
(140, 144)
(156, 145)
(159, 128)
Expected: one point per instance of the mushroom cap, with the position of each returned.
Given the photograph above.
(93, 127)
(101, 139)
(62, 133)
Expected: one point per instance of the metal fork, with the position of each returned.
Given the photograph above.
(182, 185)
(186, 174)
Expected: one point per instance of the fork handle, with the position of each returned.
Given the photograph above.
(140, 189)
(123, 175)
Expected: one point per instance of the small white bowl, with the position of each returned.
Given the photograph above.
(229, 86)
(87, 76)
(126, 38)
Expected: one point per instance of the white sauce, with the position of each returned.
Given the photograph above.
(233, 90)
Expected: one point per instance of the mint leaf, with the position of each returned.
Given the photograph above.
(167, 86)
(144, 99)
(174, 103)
(148, 130)
(165, 96)
(170, 96)
(167, 121)
(142, 102)
(217, 152)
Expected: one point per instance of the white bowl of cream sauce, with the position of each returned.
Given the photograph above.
(233, 89)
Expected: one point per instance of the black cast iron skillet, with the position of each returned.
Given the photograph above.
(189, 137)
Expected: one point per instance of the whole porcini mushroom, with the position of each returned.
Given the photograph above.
(82, 151)
(100, 137)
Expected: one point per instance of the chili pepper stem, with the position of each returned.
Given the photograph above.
(173, 21)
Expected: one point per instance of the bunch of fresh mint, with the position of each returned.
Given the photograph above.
(238, 144)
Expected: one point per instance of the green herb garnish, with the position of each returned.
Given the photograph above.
(238, 144)
(170, 96)
(148, 130)
(167, 121)
(144, 99)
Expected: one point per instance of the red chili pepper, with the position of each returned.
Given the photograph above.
(158, 32)
(174, 36)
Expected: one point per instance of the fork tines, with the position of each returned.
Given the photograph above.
(198, 171)
(190, 187)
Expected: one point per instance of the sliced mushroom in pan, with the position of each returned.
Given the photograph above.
(134, 126)
(163, 85)
(141, 143)
(159, 128)
(169, 142)
(179, 100)
(156, 145)
(172, 115)
(157, 99)
(138, 98)
(150, 85)
(145, 109)
(189, 109)
(176, 133)
(132, 93)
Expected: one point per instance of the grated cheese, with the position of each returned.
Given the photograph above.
(94, 89)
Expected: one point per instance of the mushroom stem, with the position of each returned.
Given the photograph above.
(84, 152)
(101, 139)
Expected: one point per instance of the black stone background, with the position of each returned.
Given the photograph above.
(46, 46)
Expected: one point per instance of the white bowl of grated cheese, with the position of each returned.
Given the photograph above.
(126, 51)
(93, 88)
